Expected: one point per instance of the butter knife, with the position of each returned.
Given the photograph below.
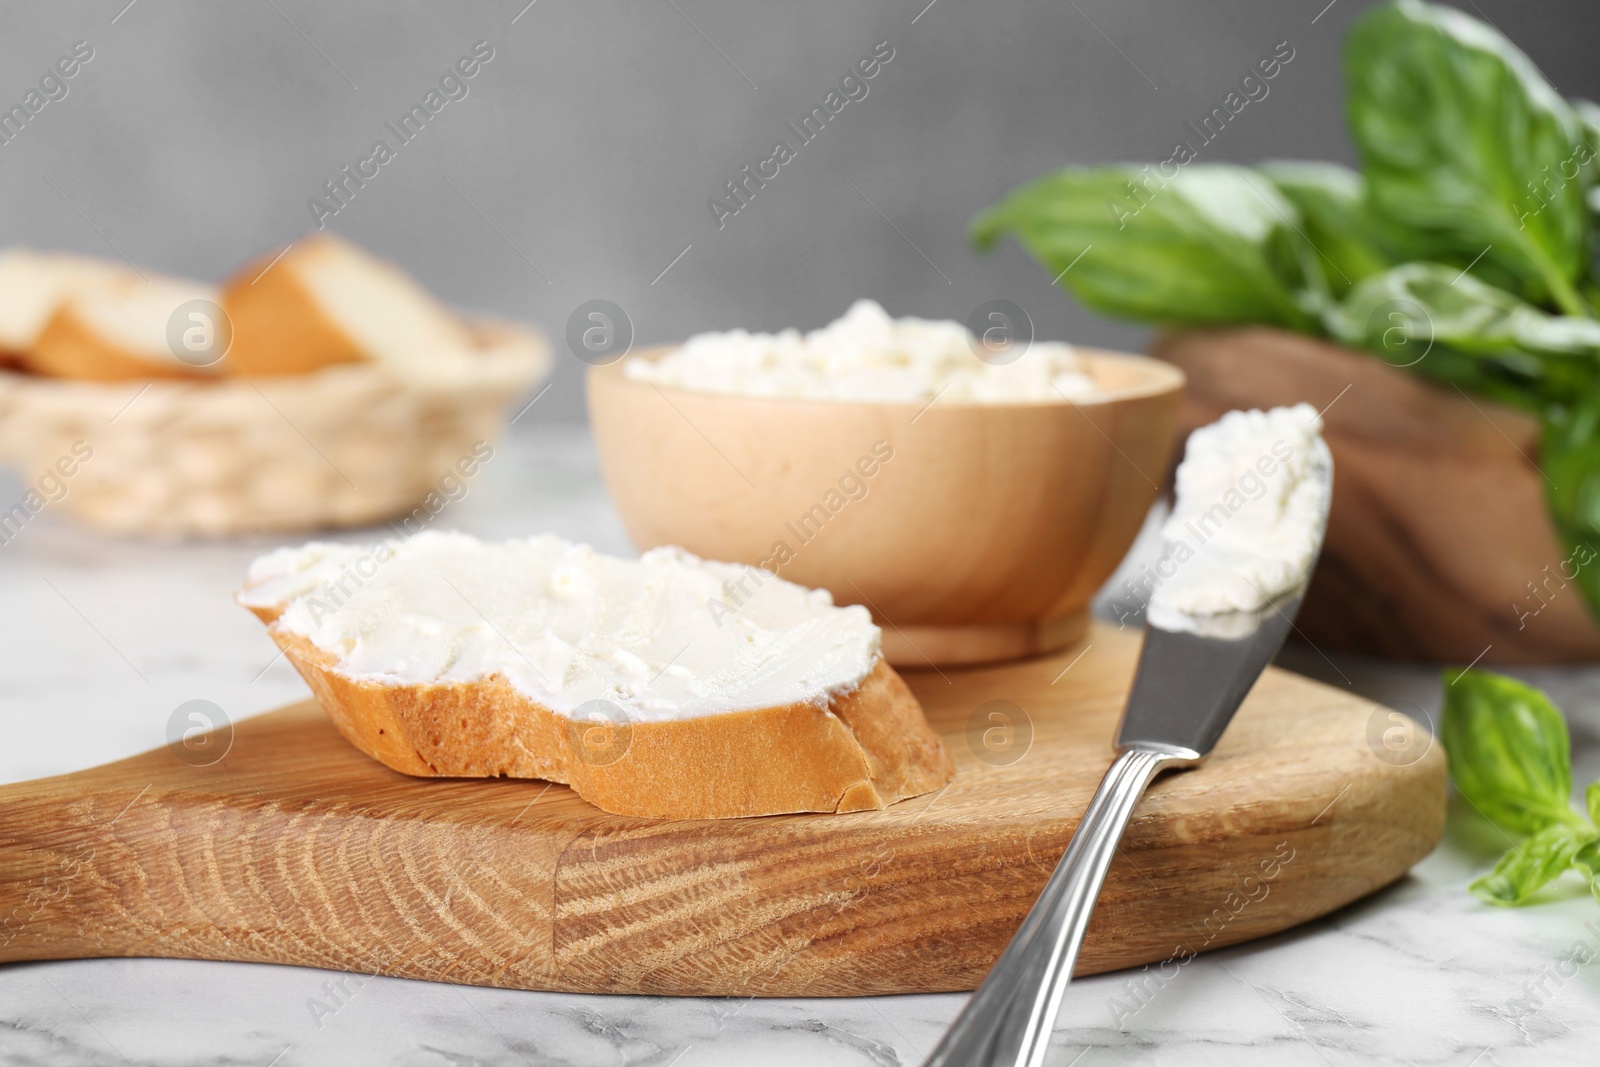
(1188, 684)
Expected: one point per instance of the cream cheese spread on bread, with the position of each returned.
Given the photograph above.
(666, 636)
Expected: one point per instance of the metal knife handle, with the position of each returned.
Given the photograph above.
(1008, 1021)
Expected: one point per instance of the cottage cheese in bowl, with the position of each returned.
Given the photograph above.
(866, 356)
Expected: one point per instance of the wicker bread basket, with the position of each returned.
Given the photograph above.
(347, 445)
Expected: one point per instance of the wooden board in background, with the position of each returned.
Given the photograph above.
(295, 848)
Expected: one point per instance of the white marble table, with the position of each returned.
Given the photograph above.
(100, 639)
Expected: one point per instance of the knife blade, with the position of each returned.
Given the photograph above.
(1191, 678)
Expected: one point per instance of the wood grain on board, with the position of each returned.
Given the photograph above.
(295, 848)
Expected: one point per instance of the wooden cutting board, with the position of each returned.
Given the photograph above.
(295, 848)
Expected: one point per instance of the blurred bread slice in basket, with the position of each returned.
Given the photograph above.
(318, 387)
(326, 302)
(34, 284)
(117, 332)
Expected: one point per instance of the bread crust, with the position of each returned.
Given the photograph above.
(68, 347)
(278, 325)
(866, 750)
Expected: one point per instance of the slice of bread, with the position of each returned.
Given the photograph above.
(119, 332)
(33, 285)
(668, 686)
(326, 302)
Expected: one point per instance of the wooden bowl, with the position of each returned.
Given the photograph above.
(974, 532)
(1439, 523)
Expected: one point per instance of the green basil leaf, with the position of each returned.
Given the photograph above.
(1465, 145)
(1569, 454)
(1587, 860)
(1587, 113)
(1208, 245)
(1508, 751)
(1591, 798)
(1529, 867)
(1452, 327)
(1334, 218)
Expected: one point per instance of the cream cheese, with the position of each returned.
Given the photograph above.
(866, 356)
(1252, 501)
(666, 636)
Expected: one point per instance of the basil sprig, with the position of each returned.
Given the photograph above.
(1509, 756)
(1468, 148)
(1463, 250)
(1214, 247)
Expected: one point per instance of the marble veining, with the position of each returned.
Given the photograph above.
(103, 638)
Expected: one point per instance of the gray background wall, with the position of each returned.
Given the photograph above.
(588, 146)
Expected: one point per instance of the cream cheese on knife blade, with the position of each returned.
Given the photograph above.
(1252, 491)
